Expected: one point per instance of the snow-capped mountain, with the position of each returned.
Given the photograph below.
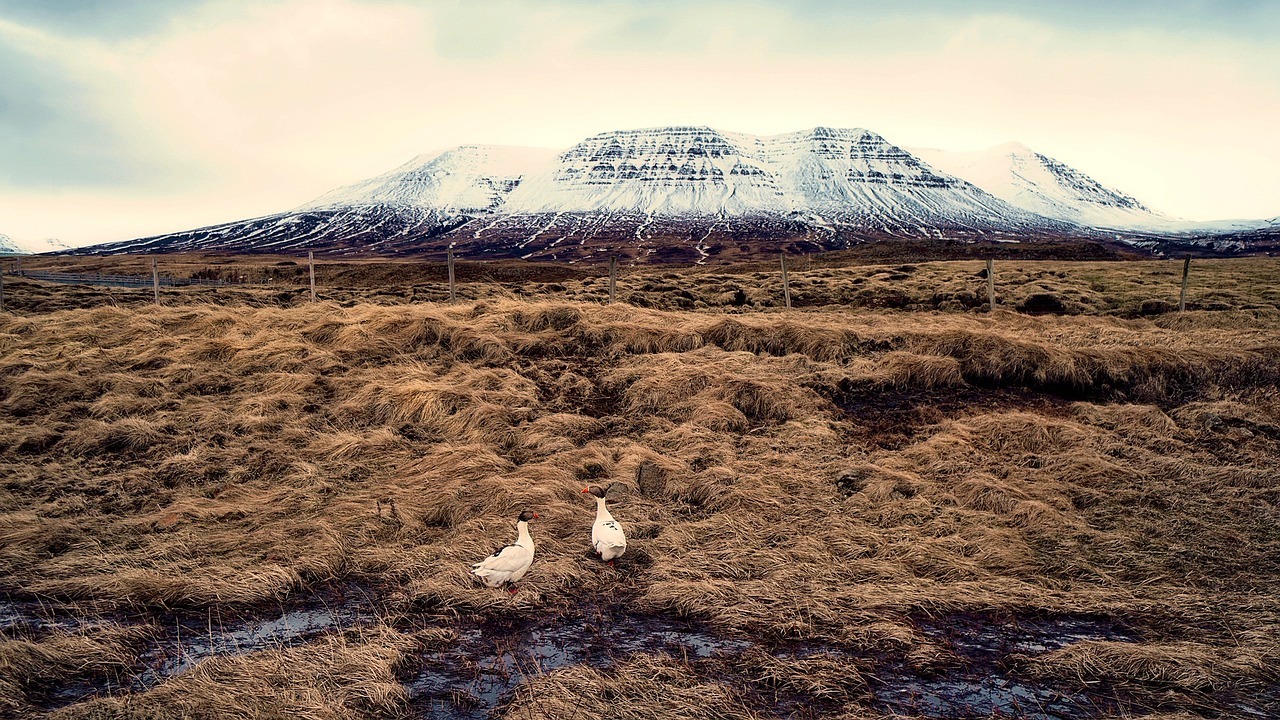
(1037, 183)
(674, 193)
(685, 190)
(46, 245)
(1225, 226)
(698, 172)
(684, 194)
(9, 246)
(461, 180)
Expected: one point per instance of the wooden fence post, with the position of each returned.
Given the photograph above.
(1182, 296)
(613, 278)
(453, 295)
(155, 278)
(311, 268)
(786, 284)
(991, 285)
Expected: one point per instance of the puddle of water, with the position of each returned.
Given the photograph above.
(28, 618)
(188, 639)
(979, 695)
(184, 639)
(985, 638)
(78, 690)
(482, 669)
(983, 687)
(1252, 711)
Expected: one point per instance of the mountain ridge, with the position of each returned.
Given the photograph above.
(682, 193)
(9, 246)
(1041, 184)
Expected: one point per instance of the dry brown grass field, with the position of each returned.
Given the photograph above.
(1137, 288)
(884, 501)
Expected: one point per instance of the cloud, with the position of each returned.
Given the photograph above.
(96, 18)
(62, 122)
(236, 108)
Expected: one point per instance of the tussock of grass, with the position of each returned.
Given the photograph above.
(128, 437)
(822, 678)
(1188, 666)
(734, 391)
(641, 688)
(27, 666)
(901, 369)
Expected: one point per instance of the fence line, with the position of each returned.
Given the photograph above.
(786, 284)
(137, 281)
(613, 278)
(156, 281)
(453, 295)
(991, 285)
(1182, 295)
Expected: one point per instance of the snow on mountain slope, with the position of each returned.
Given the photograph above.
(679, 171)
(856, 176)
(1224, 226)
(425, 197)
(363, 228)
(465, 179)
(9, 246)
(1038, 183)
(45, 246)
(829, 175)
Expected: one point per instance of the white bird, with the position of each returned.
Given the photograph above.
(510, 563)
(607, 537)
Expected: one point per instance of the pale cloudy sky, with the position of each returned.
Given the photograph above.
(122, 118)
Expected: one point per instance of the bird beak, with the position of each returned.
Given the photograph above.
(586, 489)
(535, 516)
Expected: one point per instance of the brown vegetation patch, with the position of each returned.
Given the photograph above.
(812, 475)
(29, 668)
(339, 676)
(634, 690)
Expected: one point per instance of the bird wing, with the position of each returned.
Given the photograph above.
(608, 534)
(509, 559)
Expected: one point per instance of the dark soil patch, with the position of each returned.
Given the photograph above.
(1043, 304)
(891, 418)
(983, 683)
(491, 659)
